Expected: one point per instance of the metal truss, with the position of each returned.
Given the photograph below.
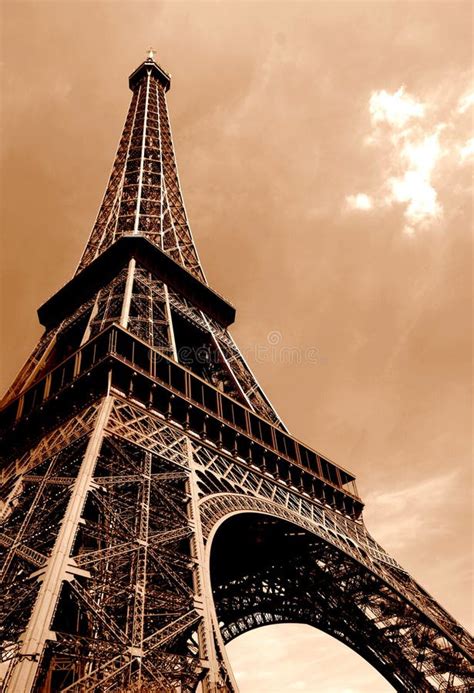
(222, 479)
(108, 306)
(143, 195)
(390, 613)
(50, 444)
(245, 383)
(103, 561)
(149, 316)
(298, 578)
(137, 300)
(131, 600)
(38, 361)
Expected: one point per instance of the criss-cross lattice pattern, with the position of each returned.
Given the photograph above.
(143, 195)
(131, 612)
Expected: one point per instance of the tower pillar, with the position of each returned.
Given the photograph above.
(59, 568)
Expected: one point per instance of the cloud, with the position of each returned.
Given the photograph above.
(465, 102)
(359, 201)
(414, 185)
(467, 150)
(394, 109)
(416, 151)
(404, 514)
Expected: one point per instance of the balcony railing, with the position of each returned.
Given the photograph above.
(118, 359)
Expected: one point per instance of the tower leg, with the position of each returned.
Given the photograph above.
(58, 569)
(212, 681)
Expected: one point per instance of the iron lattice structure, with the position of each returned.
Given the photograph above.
(154, 504)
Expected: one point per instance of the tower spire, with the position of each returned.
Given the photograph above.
(143, 195)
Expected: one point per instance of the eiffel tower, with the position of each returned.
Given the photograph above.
(154, 504)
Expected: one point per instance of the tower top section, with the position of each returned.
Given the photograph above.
(150, 67)
(143, 196)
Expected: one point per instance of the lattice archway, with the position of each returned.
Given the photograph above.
(267, 566)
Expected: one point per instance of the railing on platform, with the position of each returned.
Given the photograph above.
(194, 402)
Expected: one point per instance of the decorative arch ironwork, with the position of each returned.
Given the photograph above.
(269, 565)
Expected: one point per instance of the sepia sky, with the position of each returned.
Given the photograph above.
(325, 151)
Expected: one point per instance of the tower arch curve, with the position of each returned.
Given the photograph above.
(268, 565)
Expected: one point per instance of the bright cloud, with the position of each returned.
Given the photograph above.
(359, 201)
(413, 144)
(465, 102)
(467, 150)
(424, 154)
(394, 109)
(414, 186)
